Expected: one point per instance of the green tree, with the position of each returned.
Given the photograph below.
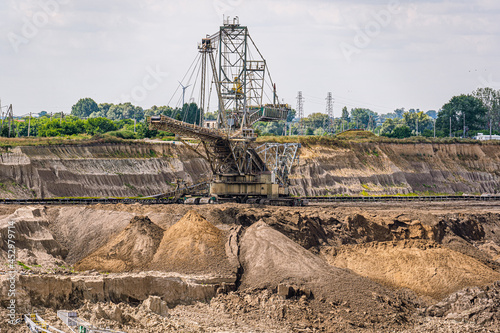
(84, 108)
(143, 131)
(316, 120)
(157, 111)
(99, 125)
(432, 114)
(345, 114)
(125, 111)
(364, 118)
(389, 125)
(459, 106)
(491, 100)
(399, 113)
(412, 119)
(291, 115)
(401, 132)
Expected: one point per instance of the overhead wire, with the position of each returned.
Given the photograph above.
(175, 92)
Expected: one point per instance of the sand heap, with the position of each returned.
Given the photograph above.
(269, 259)
(132, 250)
(424, 267)
(192, 245)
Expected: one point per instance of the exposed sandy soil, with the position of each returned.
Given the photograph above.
(132, 169)
(132, 250)
(348, 267)
(191, 246)
(269, 259)
(424, 267)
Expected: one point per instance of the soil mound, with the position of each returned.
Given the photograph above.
(132, 250)
(269, 259)
(356, 134)
(424, 267)
(192, 245)
(83, 230)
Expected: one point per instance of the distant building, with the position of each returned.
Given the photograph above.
(210, 124)
(482, 137)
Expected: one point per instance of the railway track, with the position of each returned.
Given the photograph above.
(403, 198)
(164, 201)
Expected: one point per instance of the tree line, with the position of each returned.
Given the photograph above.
(89, 118)
(462, 116)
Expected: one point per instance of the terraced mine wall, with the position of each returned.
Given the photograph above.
(141, 169)
(98, 170)
(387, 168)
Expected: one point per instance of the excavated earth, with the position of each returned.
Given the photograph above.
(350, 267)
(139, 168)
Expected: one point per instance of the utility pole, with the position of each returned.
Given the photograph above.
(29, 125)
(491, 122)
(464, 126)
(450, 127)
(11, 118)
(329, 111)
(300, 109)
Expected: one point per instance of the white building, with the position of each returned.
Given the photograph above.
(482, 137)
(210, 124)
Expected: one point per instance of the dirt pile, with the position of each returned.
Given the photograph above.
(83, 230)
(34, 244)
(132, 250)
(269, 259)
(193, 245)
(476, 305)
(424, 267)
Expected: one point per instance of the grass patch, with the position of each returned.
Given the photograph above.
(344, 141)
(132, 187)
(20, 263)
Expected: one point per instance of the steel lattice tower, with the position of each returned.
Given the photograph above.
(300, 106)
(329, 111)
(300, 109)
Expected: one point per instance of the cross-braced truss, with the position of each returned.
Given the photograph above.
(233, 63)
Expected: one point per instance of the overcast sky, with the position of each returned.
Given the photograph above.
(380, 55)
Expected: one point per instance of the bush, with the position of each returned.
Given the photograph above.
(401, 132)
(123, 134)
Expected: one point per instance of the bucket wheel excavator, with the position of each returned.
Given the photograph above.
(243, 171)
